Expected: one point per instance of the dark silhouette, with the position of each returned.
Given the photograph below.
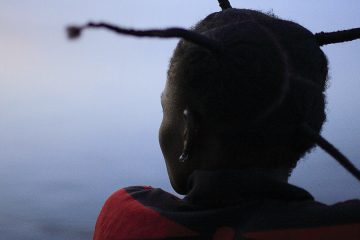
(321, 38)
(324, 38)
(243, 102)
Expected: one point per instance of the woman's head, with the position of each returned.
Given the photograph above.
(243, 105)
(244, 90)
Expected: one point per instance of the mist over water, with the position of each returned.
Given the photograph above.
(79, 120)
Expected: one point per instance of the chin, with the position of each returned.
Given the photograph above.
(179, 187)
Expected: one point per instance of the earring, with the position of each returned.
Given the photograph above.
(183, 157)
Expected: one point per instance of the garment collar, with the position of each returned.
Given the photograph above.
(227, 187)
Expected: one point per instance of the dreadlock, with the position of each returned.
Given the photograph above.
(324, 38)
(255, 76)
(224, 4)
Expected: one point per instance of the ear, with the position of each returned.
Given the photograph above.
(190, 133)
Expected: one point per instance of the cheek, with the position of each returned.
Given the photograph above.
(163, 137)
(170, 141)
(171, 146)
(171, 137)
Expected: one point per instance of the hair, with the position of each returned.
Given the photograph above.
(255, 78)
(269, 79)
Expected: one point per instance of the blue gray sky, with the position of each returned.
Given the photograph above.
(80, 119)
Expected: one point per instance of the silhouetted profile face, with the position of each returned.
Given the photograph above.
(245, 103)
(171, 137)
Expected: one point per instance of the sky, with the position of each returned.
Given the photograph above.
(79, 120)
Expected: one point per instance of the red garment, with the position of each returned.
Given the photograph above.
(234, 207)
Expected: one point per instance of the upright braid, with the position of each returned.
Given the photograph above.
(293, 92)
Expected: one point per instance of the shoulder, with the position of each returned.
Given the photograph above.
(146, 196)
(116, 212)
(347, 211)
(122, 202)
(132, 213)
(310, 220)
(124, 195)
(312, 213)
(338, 213)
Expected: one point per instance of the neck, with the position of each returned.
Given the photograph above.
(228, 187)
(277, 174)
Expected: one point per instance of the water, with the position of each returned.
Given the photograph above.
(50, 194)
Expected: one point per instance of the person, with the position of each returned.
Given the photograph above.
(237, 117)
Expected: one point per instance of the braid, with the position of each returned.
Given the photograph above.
(75, 32)
(255, 76)
(337, 37)
(332, 150)
(224, 4)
